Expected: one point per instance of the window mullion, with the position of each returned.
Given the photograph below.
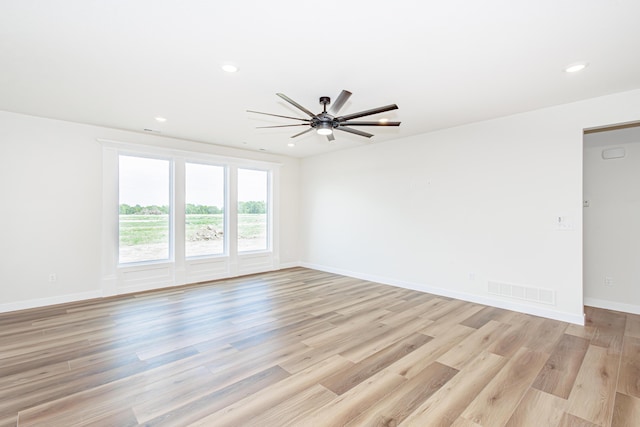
(178, 209)
(232, 219)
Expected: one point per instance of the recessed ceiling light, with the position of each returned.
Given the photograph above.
(574, 68)
(161, 119)
(291, 144)
(383, 120)
(229, 68)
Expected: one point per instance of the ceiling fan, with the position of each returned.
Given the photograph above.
(327, 121)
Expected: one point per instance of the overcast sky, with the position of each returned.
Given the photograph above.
(145, 182)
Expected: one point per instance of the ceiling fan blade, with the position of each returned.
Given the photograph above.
(302, 133)
(367, 112)
(277, 115)
(282, 126)
(331, 138)
(354, 131)
(339, 102)
(370, 123)
(295, 104)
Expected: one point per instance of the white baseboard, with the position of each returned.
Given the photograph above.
(43, 302)
(285, 265)
(578, 319)
(612, 305)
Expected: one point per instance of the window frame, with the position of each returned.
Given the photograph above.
(133, 277)
(225, 198)
(171, 219)
(269, 211)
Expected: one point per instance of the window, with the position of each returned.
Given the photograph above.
(167, 218)
(204, 210)
(253, 191)
(144, 203)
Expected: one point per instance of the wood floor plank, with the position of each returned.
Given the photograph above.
(632, 328)
(34, 375)
(310, 356)
(444, 308)
(561, 369)
(586, 331)
(474, 344)
(258, 350)
(446, 404)
(517, 336)
(73, 409)
(353, 375)
(345, 331)
(498, 400)
(241, 365)
(629, 377)
(8, 420)
(546, 335)
(414, 362)
(346, 407)
(626, 411)
(450, 319)
(117, 417)
(397, 318)
(463, 422)
(479, 319)
(406, 397)
(185, 387)
(569, 420)
(538, 408)
(249, 409)
(372, 346)
(200, 408)
(298, 406)
(409, 304)
(593, 394)
(609, 328)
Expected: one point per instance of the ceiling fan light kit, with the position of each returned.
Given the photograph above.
(327, 121)
(324, 128)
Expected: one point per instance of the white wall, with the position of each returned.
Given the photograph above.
(51, 206)
(422, 212)
(612, 221)
(449, 211)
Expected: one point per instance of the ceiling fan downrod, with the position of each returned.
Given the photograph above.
(325, 100)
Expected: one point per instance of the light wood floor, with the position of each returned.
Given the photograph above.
(306, 348)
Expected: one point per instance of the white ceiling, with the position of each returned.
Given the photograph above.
(120, 63)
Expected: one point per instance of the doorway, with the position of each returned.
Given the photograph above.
(611, 217)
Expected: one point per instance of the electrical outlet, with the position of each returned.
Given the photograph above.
(608, 281)
(563, 223)
(53, 277)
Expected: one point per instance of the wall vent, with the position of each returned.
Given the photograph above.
(526, 293)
